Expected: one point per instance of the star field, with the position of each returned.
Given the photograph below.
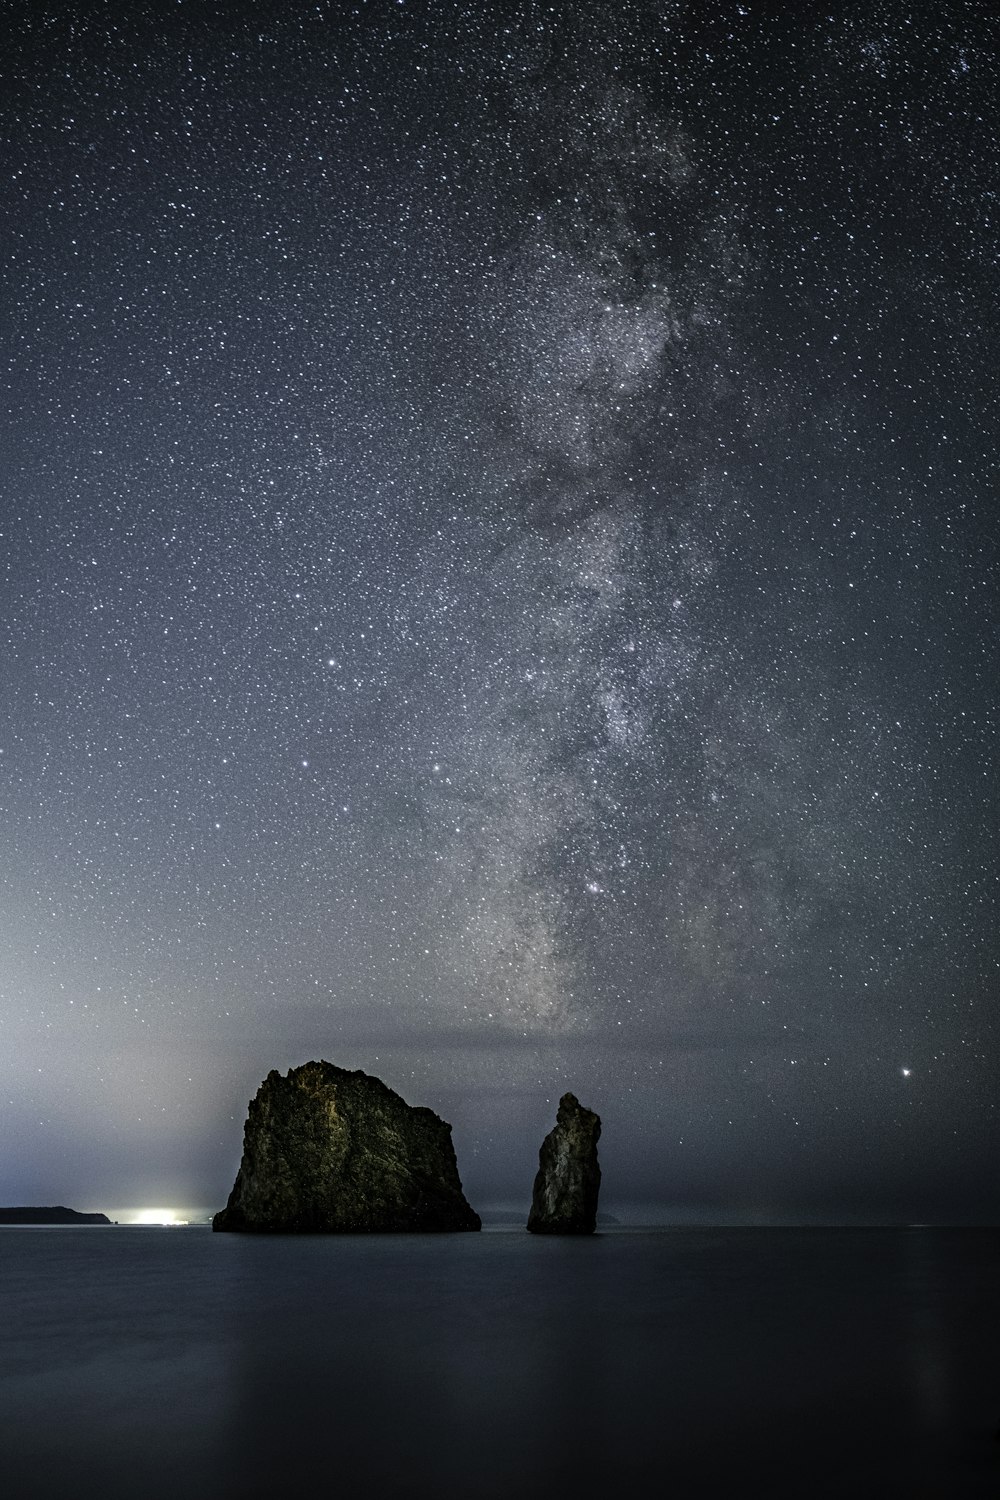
(500, 590)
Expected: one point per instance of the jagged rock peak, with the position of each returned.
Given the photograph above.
(327, 1150)
(564, 1200)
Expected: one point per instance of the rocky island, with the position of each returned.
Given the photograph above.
(57, 1215)
(564, 1199)
(330, 1151)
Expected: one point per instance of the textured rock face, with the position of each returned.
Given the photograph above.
(328, 1151)
(564, 1200)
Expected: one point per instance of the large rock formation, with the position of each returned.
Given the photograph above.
(326, 1150)
(564, 1200)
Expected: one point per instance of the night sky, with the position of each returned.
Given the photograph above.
(500, 590)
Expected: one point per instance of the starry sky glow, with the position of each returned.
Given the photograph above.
(500, 590)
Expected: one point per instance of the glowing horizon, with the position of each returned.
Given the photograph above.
(159, 1217)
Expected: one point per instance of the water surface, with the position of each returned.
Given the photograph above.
(690, 1362)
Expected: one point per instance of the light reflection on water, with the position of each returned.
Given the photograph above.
(808, 1362)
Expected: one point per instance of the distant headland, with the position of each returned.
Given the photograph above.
(58, 1215)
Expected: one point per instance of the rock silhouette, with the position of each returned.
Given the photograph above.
(564, 1199)
(57, 1215)
(326, 1150)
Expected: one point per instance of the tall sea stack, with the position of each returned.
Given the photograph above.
(564, 1200)
(328, 1151)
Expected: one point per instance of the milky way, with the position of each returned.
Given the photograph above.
(501, 589)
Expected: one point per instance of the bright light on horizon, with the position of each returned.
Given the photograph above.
(158, 1216)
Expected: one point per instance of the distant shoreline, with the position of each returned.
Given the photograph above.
(56, 1215)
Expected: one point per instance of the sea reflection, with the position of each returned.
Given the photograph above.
(109, 1369)
(806, 1361)
(393, 1360)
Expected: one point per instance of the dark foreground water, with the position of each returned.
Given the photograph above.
(800, 1362)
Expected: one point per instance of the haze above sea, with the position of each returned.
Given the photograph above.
(796, 1361)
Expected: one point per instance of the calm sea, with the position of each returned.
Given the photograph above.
(797, 1362)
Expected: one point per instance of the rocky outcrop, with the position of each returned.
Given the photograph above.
(564, 1200)
(57, 1215)
(328, 1151)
